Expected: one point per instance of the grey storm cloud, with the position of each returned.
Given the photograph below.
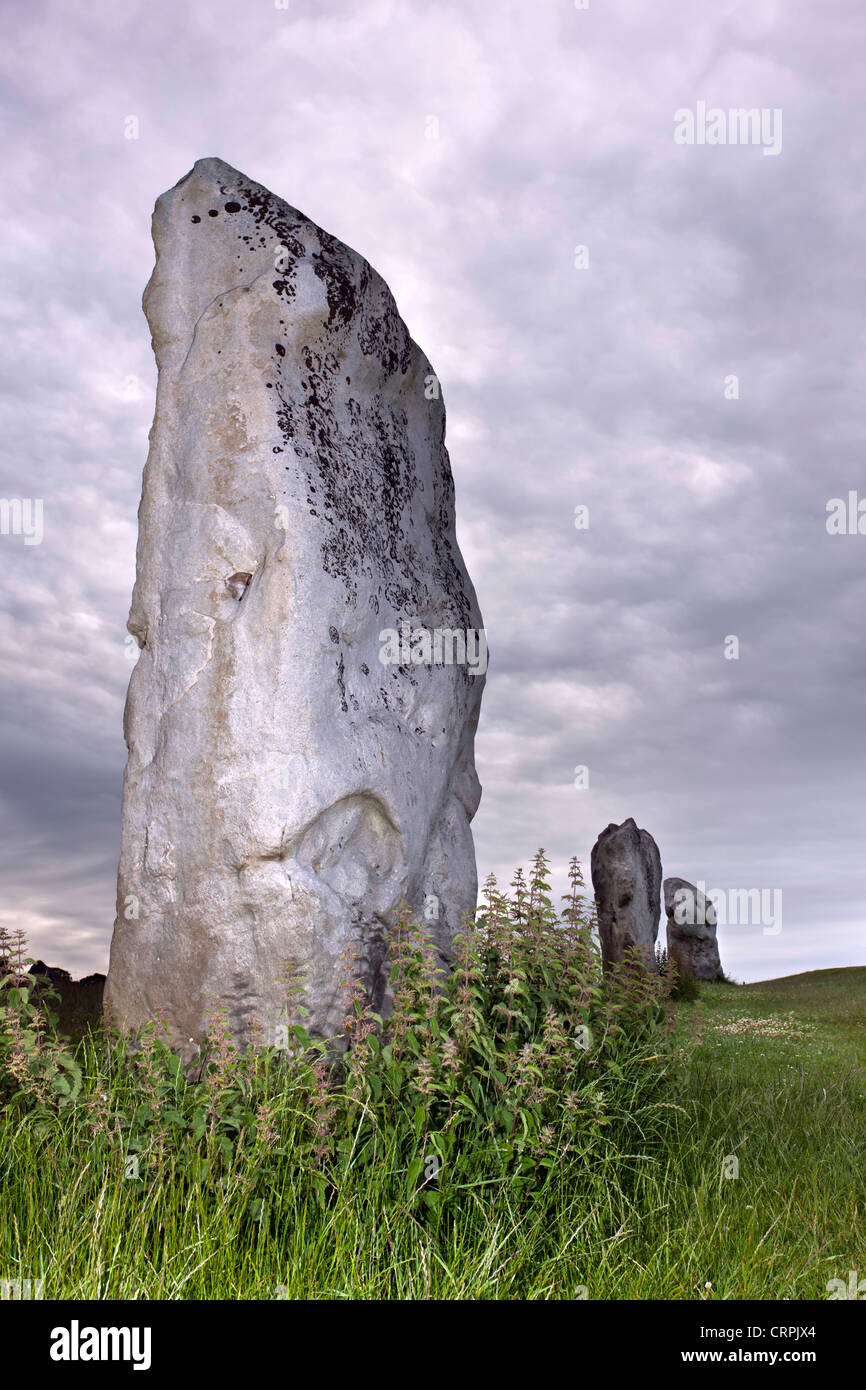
(468, 151)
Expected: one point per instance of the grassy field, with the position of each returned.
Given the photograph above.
(773, 1075)
(723, 1158)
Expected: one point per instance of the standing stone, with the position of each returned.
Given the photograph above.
(627, 876)
(301, 717)
(691, 930)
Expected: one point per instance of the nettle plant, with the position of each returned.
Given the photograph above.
(518, 1042)
(519, 1058)
(33, 1062)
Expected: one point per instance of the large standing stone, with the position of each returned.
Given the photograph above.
(626, 876)
(294, 771)
(691, 930)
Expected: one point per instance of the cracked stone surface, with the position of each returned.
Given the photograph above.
(285, 790)
(627, 876)
(691, 930)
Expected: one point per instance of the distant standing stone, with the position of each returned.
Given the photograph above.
(691, 930)
(627, 876)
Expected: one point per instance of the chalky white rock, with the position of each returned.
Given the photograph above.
(285, 788)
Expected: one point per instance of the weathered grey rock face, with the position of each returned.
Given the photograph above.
(691, 930)
(293, 774)
(627, 876)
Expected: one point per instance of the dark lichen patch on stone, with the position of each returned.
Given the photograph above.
(334, 267)
(341, 682)
(362, 480)
(381, 332)
(357, 461)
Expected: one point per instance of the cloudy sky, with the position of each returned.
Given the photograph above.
(693, 377)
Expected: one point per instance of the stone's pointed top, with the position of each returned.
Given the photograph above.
(212, 167)
(277, 232)
(213, 161)
(217, 172)
(217, 233)
(628, 824)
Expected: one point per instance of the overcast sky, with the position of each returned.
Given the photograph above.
(466, 149)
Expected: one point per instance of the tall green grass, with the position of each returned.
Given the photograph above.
(524, 1128)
